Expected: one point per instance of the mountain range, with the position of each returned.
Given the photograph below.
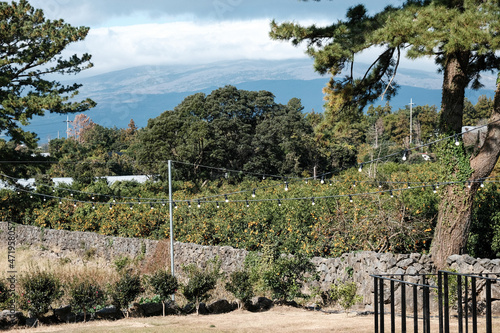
(141, 93)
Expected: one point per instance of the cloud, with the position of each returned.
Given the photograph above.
(98, 13)
(121, 47)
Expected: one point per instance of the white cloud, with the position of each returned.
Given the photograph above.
(182, 43)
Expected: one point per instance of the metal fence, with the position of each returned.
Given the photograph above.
(443, 291)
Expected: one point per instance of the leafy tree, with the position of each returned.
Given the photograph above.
(86, 296)
(125, 290)
(164, 284)
(201, 281)
(40, 290)
(286, 275)
(237, 129)
(461, 37)
(30, 50)
(240, 285)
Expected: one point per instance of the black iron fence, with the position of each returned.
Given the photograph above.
(413, 297)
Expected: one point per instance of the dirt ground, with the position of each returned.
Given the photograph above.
(278, 320)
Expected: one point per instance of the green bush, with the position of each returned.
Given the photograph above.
(4, 294)
(345, 295)
(125, 290)
(164, 284)
(86, 297)
(201, 281)
(286, 276)
(40, 290)
(240, 285)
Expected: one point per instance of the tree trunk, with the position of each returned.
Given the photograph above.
(455, 210)
(455, 80)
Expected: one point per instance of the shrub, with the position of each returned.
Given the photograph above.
(125, 290)
(286, 275)
(4, 294)
(164, 284)
(345, 295)
(201, 281)
(40, 290)
(240, 285)
(86, 297)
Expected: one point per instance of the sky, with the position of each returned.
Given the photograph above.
(129, 33)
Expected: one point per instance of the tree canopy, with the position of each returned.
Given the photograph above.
(30, 49)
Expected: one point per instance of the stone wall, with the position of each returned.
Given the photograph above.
(357, 266)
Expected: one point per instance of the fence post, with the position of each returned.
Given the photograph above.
(393, 309)
(446, 304)
(488, 306)
(440, 300)
(403, 305)
(381, 304)
(474, 304)
(375, 301)
(459, 305)
(415, 309)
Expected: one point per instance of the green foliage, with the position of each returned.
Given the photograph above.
(122, 263)
(4, 294)
(125, 290)
(86, 296)
(345, 294)
(201, 281)
(240, 285)
(164, 284)
(286, 275)
(35, 45)
(39, 290)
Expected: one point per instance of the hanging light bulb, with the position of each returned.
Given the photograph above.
(468, 184)
(151, 205)
(44, 199)
(248, 205)
(392, 195)
(331, 183)
(253, 193)
(434, 189)
(74, 204)
(225, 196)
(114, 199)
(313, 203)
(322, 180)
(404, 155)
(409, 186)
(482, 183)
(110, 206)
(350, 198)
(379, 184)
(175, 205)
(60, 202)
(457, 143)
(163, 203)
(263, 177)
(360, 167)
(71, 194)
(131, 207)
(189, 204)
(31, 196)
(286, 186)
(307, 181)
(93, 206)
(199, 204)
(279, 202)
(354, 184)
(217, 204)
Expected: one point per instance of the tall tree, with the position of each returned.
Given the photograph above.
(30, 48)
(461, 35)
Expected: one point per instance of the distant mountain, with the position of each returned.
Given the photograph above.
(142, 93)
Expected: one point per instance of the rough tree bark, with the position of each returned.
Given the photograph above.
(454, 218)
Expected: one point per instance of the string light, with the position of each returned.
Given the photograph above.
(322, 181)
(286, 186)
(248, 205)
(360, 167)
(409, 186)
(457, 143)
(350, 198)
(390, 192)
(131, 207)
(217, 204)
(354, 184)
(253, 193)
(199, 204)
(434, 189)
(189, 204)
(313, 203)
(225, 196)
(404, 155)
(279, 202)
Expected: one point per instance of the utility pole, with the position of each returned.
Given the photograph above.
(171, 221)
(411, 117)
(67, 126)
